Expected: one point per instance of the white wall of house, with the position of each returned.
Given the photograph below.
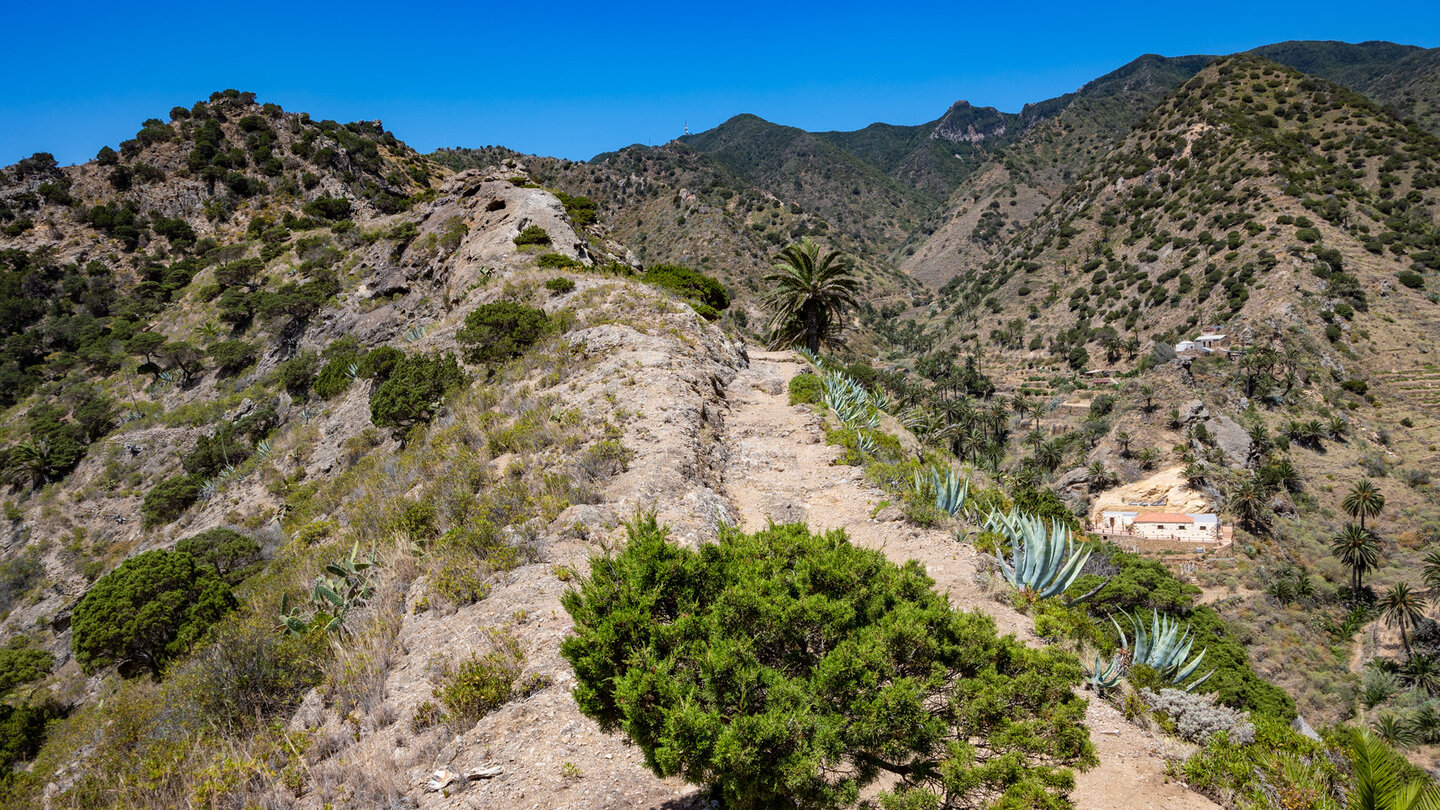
(1201, 526)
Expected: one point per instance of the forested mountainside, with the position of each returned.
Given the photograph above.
(339, 475)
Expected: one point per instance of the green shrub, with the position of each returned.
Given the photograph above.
(413, 392)
(698, 655)
(484, 683)
(233, 356)
(560, 285)
(297, 374)
(22, 731)
(380, 362)
(233, 555)
(168, 499)
(533, 235)
(426, 715)
(806, 389)
(18, 575)
(20, 664)
(580, 209)
(557, 260)
(1411, 279)
(334, 377)
(222, 448)
(500, 331)
(328, 208)
(247, 673)
(689, 284)
(146, 612)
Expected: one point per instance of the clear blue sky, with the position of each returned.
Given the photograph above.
(572, 79)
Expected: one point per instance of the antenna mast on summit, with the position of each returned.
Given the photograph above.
(687, 127)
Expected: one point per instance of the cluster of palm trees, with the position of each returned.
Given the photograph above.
(1402, 606)
(1357, 547)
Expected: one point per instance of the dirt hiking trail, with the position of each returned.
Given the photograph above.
(779, 468)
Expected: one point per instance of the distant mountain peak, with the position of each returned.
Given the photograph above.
(965, 123)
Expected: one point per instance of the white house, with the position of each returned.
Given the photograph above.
(1161, 525)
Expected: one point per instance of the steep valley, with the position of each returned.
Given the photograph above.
(310, 442)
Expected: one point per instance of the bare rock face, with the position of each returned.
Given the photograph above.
(1231, 438)
(1193, 411)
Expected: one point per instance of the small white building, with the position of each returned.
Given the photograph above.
(1212, 342)
(1161, 525)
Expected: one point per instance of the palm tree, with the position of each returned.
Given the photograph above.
(810, 296)
(1421, 672)
(1379, 783)
(1247, 501)
(1147, 397)
(1049, 454)
(1123, 439)
(1363, 500)
(1304, 588)
(1393, 729)
(1430, 574)
(1337, 427)
(995, 418)
(1405, 608)
(1037, 410)
(1357, 548)
(1020, 405)
(1147, 457)
(1099, 476)
(31, 462)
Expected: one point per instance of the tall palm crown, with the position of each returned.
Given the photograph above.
(810, 296)
(1405, 608)
(1357, 549)
(1247, 502)
(1430, 574)
(1363, 500)
(1380, 781)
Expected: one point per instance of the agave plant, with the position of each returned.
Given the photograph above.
(352, 371)
(951, 490)
(1103, 677)
(850, 402)
(810, 357)
(263, 449)
(865, 443)
(1164, 648)
(1043, 558)
(414, 333)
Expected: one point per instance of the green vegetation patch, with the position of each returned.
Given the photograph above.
(708, 659)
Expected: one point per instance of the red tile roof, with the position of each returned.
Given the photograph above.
(1162, 517)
